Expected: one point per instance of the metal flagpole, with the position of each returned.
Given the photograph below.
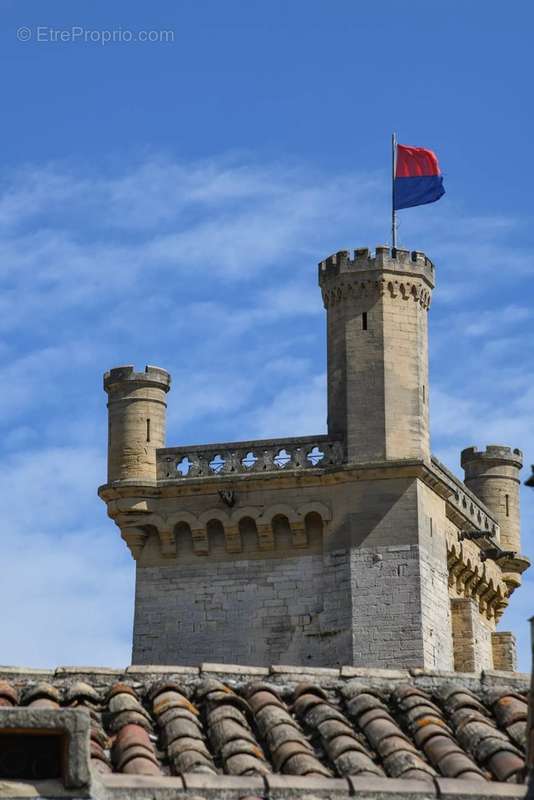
(393, 170)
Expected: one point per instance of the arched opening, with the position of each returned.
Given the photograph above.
(314, 528)
(216, 539)
(184, 540)
(249, 535)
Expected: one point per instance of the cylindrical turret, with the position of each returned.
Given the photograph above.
(493, 475)
(377, 334)
(136, 414)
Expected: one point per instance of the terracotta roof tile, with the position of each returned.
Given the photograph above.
(290, 750)
(343, 728)
(233, 741)
(344, 750)
(8, 695)
(182, 733)
(425, 722)
(398, 754)
(478, 733)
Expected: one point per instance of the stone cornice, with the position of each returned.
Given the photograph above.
(433, 475)
(347, 286)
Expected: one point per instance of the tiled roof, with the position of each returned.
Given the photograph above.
(156, 721)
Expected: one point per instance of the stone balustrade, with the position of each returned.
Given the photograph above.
(245, 458)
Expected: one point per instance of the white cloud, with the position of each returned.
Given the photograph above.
(66, 578)
(208, 269)
(296, 410)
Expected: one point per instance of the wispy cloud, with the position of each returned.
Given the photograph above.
(66, 582)
(208, 269)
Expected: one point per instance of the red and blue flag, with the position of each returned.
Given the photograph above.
(418, 179)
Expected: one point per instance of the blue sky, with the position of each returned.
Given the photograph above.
(166, 202)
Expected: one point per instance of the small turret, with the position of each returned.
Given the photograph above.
(136, 414)
(493, 475)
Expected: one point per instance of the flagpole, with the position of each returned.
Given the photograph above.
(393, 170)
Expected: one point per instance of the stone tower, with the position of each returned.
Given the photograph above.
(354, 548)
(136, 417)
(377, 326)
(493, 475)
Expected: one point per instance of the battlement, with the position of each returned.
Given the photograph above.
(152, 376)
(493, 453)
(384, 258)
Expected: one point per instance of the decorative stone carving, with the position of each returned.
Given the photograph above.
(181, 464)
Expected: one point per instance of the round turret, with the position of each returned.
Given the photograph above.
(493, 475)
(136, 414)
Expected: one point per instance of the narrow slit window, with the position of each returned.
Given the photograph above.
(424, 394)
(148, 430)
(507, 502)
(364, 321)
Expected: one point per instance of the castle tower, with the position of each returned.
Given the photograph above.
(493, 475)
(377, 334)
(322, 550)
(136, 421)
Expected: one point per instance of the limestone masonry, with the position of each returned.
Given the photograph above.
(352, 548)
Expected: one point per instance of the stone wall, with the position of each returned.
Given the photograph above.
(504, 651)
(386, 602)
(472, 637)
(435, 607)
(289, 609)
(370, 589)
(404, 585)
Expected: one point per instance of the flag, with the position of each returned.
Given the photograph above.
(418, 179)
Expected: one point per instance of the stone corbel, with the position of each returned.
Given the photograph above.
(265, 536)
(486, 599)
(479, 586)
(381, 286)
(167, 542)
(462, 576)
(200, 541)
(393, 287)
(135, 539)
(512, 581)
(500, 607)
(299, 535)
(470, 583)
(232, 536)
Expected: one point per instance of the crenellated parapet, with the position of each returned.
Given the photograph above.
(387, 258)
(403, 274)
(151, 377)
